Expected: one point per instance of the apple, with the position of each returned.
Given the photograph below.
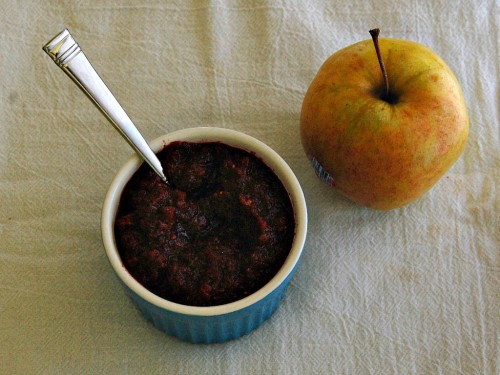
(382, 125)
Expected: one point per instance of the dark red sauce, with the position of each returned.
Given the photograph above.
(220, 232)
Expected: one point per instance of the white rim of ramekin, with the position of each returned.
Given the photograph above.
(231, 138)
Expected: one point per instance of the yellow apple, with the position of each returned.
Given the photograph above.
(383, 120)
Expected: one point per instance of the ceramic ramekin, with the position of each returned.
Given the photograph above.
(216, 323)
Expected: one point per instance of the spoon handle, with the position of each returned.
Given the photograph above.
(68, 56)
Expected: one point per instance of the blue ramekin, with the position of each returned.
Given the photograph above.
(214, 323)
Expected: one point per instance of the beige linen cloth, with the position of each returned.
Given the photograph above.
(409, 291)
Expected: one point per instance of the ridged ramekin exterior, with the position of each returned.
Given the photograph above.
(211, 329)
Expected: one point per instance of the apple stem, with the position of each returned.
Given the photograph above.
(374, 33)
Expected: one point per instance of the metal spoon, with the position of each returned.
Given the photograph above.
(68, 56)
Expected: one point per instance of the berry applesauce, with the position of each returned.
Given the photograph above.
(218, 232)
